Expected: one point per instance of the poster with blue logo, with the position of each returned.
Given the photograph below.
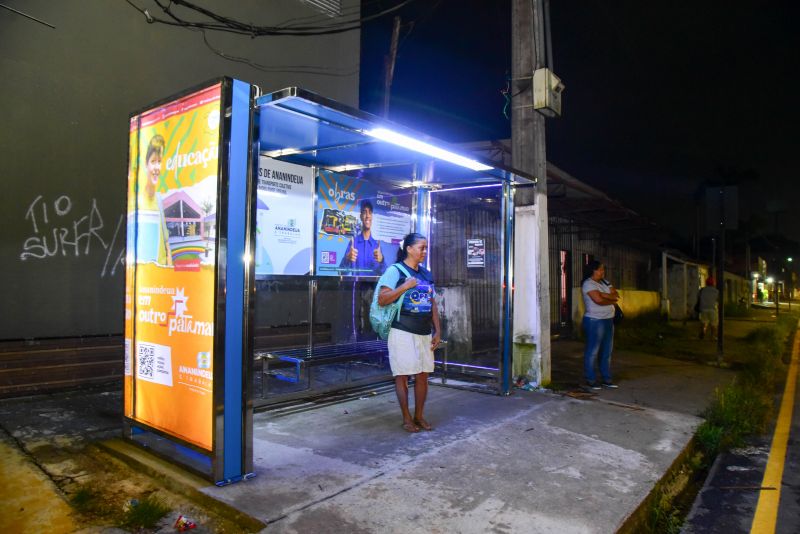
(284, 218)
(360, 225)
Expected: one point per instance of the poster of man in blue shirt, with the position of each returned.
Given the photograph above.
(364, 256)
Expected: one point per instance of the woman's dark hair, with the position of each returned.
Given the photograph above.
(408, 241)
(590, 268)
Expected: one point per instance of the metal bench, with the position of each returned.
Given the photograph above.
(287, 364)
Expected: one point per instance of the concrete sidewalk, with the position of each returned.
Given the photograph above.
(531, 462)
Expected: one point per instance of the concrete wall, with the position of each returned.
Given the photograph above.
(633, 303)
(67, 94)
(683, 292)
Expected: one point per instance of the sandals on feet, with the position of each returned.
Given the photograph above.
(423, 424)
(410, 427)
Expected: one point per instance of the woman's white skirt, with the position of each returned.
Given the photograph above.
(409, 354)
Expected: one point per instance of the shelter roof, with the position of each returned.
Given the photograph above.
(302, 127)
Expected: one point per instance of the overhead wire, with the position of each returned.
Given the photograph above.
(298, 26)
(223, 23)
(297, 69)
(203, 27)
(30, 17)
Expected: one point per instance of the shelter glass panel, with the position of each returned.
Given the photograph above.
(466, 258)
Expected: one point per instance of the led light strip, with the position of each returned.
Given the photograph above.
(425, 148)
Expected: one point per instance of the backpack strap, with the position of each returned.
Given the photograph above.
(402, 269)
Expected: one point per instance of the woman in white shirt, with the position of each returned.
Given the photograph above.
(599, 297)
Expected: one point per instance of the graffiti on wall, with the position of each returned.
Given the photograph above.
(62, 229)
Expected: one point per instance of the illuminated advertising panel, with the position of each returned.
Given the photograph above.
(173, 188)
(360, 225)
(284, 218)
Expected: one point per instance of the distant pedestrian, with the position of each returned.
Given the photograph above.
(599, 297)
(707, 310)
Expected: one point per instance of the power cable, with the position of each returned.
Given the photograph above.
(27, 16)
(297, 69)
(230, 25)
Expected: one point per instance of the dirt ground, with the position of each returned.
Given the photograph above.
(70, 484)
(72, 490)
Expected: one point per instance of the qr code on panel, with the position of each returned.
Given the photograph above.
(147, 356)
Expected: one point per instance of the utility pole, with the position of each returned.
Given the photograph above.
(529, 45)
(390, 61)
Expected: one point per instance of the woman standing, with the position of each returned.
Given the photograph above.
(599, 297)
(415, 332)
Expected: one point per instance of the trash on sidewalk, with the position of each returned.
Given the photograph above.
(524, 383)
(184, 523)
(368, 395)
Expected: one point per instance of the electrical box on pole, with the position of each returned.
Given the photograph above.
(547, 89)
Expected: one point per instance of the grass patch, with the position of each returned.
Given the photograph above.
(709, 437)
(84, 500)
(146, 514)
(664, 516)
(746, 406)
(739, 410)
(88, 500)
(672, 497)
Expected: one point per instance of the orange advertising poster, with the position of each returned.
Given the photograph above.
(171, 256)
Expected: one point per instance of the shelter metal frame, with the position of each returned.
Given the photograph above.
(301, 127)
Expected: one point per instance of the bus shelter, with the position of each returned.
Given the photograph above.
(258, 226)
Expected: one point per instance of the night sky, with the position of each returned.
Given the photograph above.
(661, 97)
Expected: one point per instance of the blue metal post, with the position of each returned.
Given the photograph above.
(233, 465)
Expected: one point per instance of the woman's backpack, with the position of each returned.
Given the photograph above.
(382, 317)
